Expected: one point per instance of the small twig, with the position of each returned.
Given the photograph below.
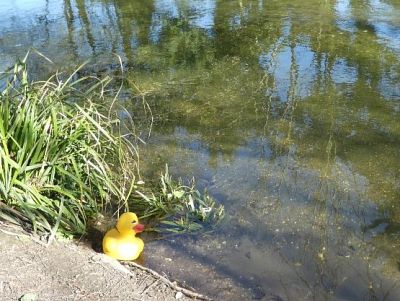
(169, 283)
(149, 286)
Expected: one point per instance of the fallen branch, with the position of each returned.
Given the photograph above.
(168, 282)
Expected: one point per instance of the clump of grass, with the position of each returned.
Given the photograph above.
(179, 208)
(60, 162)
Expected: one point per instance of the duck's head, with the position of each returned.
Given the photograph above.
(129, 222)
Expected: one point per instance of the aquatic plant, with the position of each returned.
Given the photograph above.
(177, 207)
(60, 162)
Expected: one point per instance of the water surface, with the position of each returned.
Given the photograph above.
(288, 112)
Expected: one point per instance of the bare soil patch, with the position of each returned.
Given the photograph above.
(73, 271)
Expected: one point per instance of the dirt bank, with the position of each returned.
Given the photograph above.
(72, 271)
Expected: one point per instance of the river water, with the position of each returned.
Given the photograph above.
(287, 112)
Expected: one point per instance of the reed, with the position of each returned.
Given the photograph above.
(61, 160)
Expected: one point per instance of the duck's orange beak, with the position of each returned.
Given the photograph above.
(138, 228)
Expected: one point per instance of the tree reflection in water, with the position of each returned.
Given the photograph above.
(287, 111)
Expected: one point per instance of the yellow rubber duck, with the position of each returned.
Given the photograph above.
(121, 242)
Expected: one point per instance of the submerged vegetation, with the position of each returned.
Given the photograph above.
(179, 208)
(62, 161)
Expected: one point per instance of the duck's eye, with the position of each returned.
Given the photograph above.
(134, 222)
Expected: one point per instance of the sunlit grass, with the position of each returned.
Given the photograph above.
(60, 162)
(63, 161)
